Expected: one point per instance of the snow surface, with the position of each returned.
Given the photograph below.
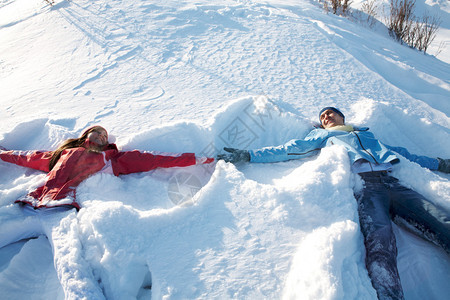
(194, 76)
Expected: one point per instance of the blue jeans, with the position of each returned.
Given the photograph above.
(383, 199)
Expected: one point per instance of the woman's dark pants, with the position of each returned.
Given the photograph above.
(383, 199)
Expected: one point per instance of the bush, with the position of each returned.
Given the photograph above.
(401, 18)
(338, 7)
(370, 7)
(405, 27)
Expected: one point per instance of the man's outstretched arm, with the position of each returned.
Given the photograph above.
(435, 164)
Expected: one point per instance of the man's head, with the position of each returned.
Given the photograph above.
(330, 117)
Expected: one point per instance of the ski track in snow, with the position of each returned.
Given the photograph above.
(181, 77)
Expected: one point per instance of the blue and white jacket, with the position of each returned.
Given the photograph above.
(361, 145)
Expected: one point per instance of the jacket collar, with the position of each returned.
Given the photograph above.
(355, 128)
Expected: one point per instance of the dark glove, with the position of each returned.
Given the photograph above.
(235, 155)
(444, 165)
(3, 148)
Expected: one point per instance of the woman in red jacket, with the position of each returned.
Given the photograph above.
(42, 210)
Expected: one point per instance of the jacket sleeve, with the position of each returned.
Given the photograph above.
(423, 161)
(135, 161)
(294, 149)
(38, 160)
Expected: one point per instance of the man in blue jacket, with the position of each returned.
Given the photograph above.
(382, 197)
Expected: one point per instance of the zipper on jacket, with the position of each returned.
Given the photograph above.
(304, 152)
(359, 140)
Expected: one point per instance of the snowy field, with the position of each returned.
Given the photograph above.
(195, 76)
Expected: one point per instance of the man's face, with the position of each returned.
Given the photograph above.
(329, 119)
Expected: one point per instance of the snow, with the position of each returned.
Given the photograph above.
(195, 76)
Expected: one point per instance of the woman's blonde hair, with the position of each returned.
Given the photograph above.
(71, 143)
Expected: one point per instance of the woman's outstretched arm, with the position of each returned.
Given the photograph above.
(135, 161)
(38, 160)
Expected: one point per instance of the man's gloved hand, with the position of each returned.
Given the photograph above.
(235, 155)
(444, 165)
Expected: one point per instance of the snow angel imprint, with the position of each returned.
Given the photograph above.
(50, 210)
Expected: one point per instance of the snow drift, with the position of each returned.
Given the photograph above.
(195, 77)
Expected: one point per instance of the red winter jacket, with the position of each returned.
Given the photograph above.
(77, 164)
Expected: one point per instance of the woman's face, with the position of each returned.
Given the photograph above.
(98, 136)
